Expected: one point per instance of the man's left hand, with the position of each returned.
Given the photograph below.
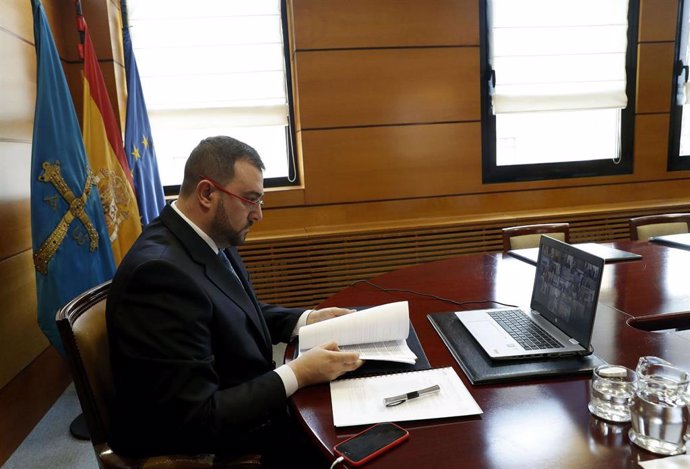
(319, 315)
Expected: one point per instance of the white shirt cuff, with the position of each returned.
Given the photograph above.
(289, 379)
(285, 372)
(302, 321)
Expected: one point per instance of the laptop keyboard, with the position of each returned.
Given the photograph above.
(523, 330)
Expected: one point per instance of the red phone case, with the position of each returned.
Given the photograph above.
(402, 436)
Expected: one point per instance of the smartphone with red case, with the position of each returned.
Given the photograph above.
(370, 443)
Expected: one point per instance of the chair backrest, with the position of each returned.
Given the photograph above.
(643, 228)
(81, 323)
(527, 236)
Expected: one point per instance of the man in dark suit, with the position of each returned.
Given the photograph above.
(190, 343)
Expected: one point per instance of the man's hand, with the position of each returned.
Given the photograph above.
(323, 363)
(319, 315)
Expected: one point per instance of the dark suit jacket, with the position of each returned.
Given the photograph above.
(190, 347)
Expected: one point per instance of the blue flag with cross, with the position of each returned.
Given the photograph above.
(71, 248)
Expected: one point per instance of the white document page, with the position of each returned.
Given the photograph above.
(359, 401)
(392, 351)
(389, 322)
(672, 462)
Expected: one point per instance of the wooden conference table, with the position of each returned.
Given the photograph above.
(535, 423)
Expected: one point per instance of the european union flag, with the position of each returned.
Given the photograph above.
(138, 142)
(70, 241)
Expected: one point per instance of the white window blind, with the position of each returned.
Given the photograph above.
(554, 55)
(683, 88)
(212, 67)
(682, 85)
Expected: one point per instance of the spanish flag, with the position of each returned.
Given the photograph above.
(105, 151)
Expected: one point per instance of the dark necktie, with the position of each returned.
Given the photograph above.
(253, 312)
(226, 262)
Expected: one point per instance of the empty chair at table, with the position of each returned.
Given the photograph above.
(527, 236)
(643, 228)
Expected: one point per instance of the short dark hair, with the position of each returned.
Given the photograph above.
(215, 157)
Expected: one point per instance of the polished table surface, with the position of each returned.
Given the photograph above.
(536, 423)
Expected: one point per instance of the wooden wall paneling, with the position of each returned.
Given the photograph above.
(655, 64)
(15, 220)
(97, 15)
(73, 71)
(347, 165)
(658, 20)
(28, 397)
(343, 24)
(20, 338)
(116, 82)
(651, 147)
(61, 17)
(282, 197)
(18, 87)
(16, 18)
(472, 207)
(388, 86)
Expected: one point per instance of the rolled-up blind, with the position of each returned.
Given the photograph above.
(211, 54)
(683, 62)
(549, 55)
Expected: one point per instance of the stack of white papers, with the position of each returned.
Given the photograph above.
(359, 401)
(378, 333)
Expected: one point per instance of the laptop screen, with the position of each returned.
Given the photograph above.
(566, 288)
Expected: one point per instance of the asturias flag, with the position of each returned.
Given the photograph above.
(103, 142)
(138, 141)
(70, 241)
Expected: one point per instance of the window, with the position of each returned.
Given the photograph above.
(679, 144)
(215, 67)
(558, 87)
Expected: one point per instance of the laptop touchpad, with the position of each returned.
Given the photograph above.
(485, 329)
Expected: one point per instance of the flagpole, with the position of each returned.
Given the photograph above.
(81, 28)
(125, 18)
(78, 428)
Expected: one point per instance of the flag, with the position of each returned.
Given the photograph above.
(138, 142)
(69, 238)
(106, 155)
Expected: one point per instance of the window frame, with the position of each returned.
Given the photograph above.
(676, 161)
(293, 178)
(492, 173)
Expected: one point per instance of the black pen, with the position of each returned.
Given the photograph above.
(395, 400)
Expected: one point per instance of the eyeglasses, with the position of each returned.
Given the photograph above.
(253, 204)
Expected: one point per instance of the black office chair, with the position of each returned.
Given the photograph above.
(527, 236)
(82, 327)
(643, 228)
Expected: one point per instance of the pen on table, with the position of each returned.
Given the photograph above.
(395, 400)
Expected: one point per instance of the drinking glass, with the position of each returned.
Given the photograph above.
(646, 361)
(659, 409)
(612, 389)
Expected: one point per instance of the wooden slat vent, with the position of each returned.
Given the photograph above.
(305, 270)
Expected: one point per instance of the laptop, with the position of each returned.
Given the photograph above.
(563, 306)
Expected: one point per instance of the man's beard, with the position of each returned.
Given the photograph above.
(223, 230)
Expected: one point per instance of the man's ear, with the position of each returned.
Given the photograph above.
(204, 193)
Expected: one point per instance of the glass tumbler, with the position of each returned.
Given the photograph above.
(611, 392)
(659, 409)
(646, 361)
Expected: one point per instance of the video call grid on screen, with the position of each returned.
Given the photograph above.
(567, 286)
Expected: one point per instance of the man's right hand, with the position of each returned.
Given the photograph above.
(322, 364)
